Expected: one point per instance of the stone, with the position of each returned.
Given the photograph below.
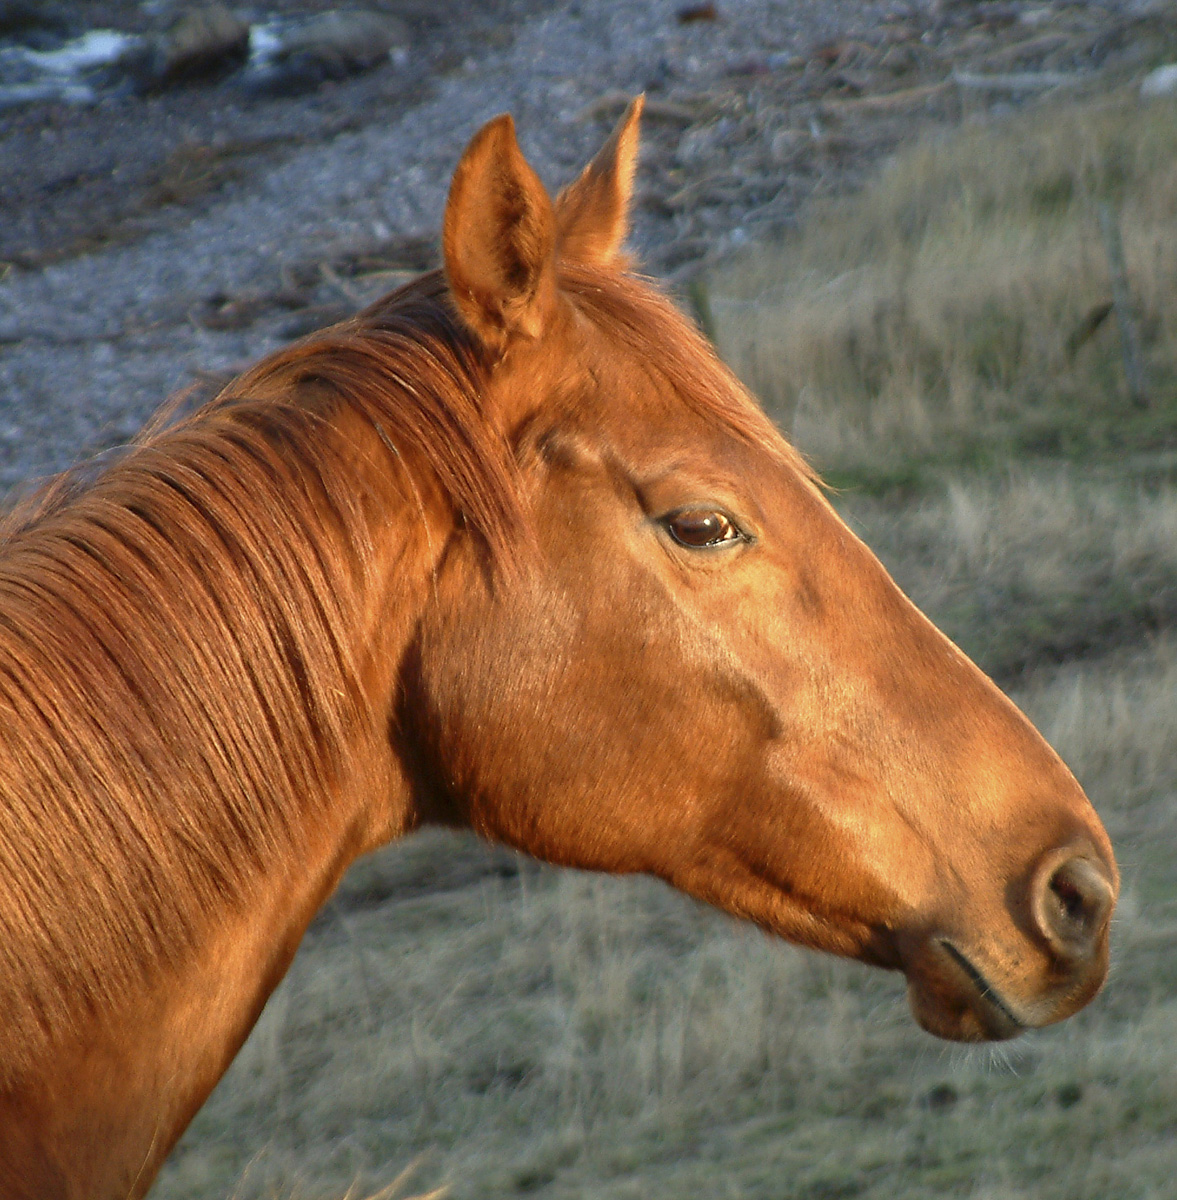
(207, 40)
(293, 55)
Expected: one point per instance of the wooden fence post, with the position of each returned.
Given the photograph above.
(1109, 225)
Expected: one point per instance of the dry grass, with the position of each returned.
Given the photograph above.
(1026, 566)
(934, 319)
(517, 1030)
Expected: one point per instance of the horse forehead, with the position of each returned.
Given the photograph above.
(620, 409)
(657, 431)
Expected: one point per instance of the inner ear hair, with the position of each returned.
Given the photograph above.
(499, 239)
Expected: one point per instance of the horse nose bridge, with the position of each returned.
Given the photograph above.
(1003, 777)
(1021, 849)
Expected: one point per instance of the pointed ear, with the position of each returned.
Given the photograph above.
(499, 239)
(592, 214)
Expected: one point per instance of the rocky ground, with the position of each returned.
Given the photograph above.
(164, 236)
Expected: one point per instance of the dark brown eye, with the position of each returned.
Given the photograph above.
(697, 528)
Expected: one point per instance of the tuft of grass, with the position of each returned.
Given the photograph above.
(951, 314)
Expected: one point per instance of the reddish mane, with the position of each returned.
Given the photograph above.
(227, 545)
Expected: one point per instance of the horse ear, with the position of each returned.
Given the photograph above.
(499, 239)
(592, 214)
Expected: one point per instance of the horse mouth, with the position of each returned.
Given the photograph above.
(951, 998)
(1008, 1022)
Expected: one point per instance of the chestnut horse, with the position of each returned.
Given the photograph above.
(510, 550)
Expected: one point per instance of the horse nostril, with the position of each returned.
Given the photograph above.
(1072, 903)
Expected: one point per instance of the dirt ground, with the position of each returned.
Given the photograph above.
(78, 179)
(149, 243)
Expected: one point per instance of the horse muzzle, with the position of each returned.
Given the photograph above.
(964, 987)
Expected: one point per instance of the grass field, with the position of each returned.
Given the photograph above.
(507, 1029)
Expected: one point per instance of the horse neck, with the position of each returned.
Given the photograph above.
(152, 949)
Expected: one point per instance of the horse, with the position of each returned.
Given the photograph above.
(510, 550)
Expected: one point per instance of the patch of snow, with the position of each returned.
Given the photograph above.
(1161, 82)
(266, 42)
(97, 48)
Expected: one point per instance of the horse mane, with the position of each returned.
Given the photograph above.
(178, 687)
(177, 681)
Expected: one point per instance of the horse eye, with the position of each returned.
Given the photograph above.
(699, 528)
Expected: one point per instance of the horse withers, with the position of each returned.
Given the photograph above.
(510, 550)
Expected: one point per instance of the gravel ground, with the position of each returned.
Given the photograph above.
(290, 212)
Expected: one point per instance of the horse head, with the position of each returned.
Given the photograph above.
(699, 671)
